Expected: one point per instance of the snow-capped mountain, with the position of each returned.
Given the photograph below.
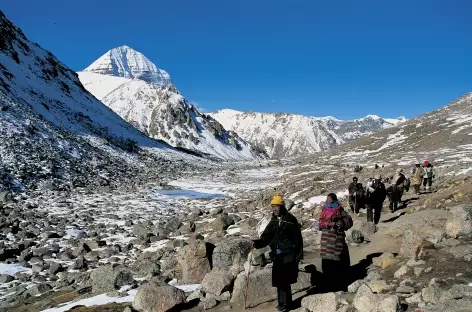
(52, 128)
(156, 107)
(126, 62)
(282, 135)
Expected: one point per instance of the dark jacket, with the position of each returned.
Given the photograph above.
(284, 237)
(356, 194)
(376, 194)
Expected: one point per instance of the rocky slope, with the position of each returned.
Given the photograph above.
(282, 135)
(52, 129)
(134, 88)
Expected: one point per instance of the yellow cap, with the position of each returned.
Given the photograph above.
(277, 200)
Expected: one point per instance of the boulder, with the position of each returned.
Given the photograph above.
(217, 282)
(385, 260)
(357, 236)
(146, 268)
(260, 288)
(380, 286)
(231, 254)
(107, 279)
(366, 301)
(402, 271)
(194, 262)
(157, 297)
(413, 244)
(221, 223)
(322, 303)
(460, 222)
(365, 227)
(208, 303)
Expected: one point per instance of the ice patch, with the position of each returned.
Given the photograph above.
(11, 269)
(166, 195)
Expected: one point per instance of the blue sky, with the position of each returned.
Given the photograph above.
(340, 58)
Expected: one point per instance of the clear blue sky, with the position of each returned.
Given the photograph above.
(340, 58)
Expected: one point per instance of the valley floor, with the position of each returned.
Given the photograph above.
(121, 227)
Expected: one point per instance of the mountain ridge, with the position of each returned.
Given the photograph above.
(284, 134)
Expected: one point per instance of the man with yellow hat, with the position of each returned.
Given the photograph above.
(284, 237)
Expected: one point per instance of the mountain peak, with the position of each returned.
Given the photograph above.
(124, 61)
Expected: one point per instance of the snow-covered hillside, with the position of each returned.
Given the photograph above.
(158, 109)
(51, 127)
(283, 135)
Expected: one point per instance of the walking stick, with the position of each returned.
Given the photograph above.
(355, 202)
(247, 283)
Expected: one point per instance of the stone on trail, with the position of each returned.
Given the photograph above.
(385, 260)
(366, 301)
(357, 236)
(260, 287)
(365, 227)
(328, 302)
(157, 297)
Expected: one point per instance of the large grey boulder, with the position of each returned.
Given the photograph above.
(259, 287)
(366, 301)
(328, 302)
(231, 254)
(217, 282)
(107, 279)
(460, 222)
(157, 297)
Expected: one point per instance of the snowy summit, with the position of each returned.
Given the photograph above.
(125, 62)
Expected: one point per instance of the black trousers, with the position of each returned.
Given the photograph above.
(427, 182)
(393, 205)
(373, 213)
(336, 275)
(284, 296)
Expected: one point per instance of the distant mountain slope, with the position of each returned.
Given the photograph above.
(282, 135)
(52, 128)
(447, 128)
(157, 108)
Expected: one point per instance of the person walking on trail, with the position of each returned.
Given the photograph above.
(417, 178)
(334, 253)
(284, 237)
(375, 196)
(429, 175)
(356, 196)
(396, 189)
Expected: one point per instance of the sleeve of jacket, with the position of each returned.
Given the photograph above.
(266, 236)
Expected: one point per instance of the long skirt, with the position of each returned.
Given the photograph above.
(336, 273)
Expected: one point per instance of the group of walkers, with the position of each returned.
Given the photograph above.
(373, 194)
(283, 233)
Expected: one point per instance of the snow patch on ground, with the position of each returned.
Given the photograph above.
(94, 301)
